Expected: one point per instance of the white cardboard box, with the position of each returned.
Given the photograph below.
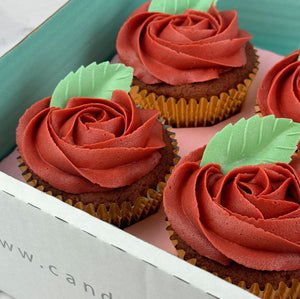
(52, 250)
(49, 249)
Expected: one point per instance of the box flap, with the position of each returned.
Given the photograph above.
(274, 24)
(41, 237)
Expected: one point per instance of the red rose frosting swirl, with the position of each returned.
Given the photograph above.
(279, 91)
(92, 144)
(179, 49)
(250, 215)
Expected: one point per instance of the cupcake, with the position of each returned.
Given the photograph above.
(279, 91)
(234, 206)
(91, 147)
(192, 65)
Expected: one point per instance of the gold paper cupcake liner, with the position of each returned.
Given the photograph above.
(257, 110)
(195, 112)
(120, 216)
(282, 292)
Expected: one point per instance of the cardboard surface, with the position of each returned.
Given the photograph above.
(51, 250)
(274, 24)
(47, 245)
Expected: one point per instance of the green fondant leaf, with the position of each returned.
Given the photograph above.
(253, 141)
(299, 57)
(93, 81)
(175, 7)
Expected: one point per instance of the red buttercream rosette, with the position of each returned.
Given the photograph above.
(92, 144)
(251, 215)
(279, 91)
(179, 49)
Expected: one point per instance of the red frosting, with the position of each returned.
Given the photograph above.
(279, 91)
(92, 144)
(191, 47)
(250, 215)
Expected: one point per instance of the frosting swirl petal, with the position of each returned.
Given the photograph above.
(92, 144)
(179, 49)
(250, 216)
(279, 91)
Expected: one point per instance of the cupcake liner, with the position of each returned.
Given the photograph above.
(195, 112)
(257, 110)
(268, 292)
(120, 216)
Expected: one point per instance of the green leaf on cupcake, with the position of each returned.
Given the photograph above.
(175, 7)
(93, 81)
(253, 141)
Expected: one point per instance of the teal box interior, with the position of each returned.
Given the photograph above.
(85, 31)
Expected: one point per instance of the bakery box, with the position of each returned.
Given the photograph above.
(49, 249)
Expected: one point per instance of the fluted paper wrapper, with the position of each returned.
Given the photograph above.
(257, 110)
(195, 112)
(268, 292)
(120, 216)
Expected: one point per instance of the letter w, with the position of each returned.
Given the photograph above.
(5, 244)
(24, 255)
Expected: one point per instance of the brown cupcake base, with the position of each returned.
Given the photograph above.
(193, 113)
(199, 104)
(264, 284)
(122, 206)
(226, 81)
